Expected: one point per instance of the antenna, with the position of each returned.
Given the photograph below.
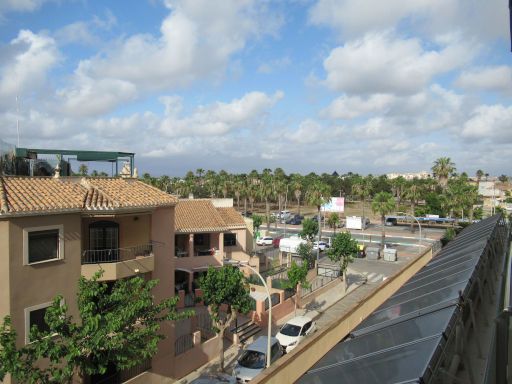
(18, 120)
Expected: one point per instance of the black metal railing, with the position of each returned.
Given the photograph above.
(94, 256)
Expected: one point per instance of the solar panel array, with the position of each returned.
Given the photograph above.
(403, 340)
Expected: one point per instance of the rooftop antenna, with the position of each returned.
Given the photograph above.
(18, 120)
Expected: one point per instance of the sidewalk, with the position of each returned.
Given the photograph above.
(315, 310)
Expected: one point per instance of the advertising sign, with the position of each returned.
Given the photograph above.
(337, 204)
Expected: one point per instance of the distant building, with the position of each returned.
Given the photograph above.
(410, 176)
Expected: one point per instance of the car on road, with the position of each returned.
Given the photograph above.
(321, 244)
(296, 329)
(276, 241)
(265, 240)
(254, 358)
(294, 221)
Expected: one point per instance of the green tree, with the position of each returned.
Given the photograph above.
(83, 170)
(383, 203)
(266, 191)
(333, 221)
(479, 175)
(414, 192)
(117, 326)
(227, 287)
(297, 185)
(442, 169)
(305, 251)
(343, 249)
(309, 229)
(503, 178)
(318, 194)
(297, 275)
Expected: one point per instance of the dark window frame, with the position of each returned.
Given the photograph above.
(230, 239)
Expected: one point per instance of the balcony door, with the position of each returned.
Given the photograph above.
(104, 240)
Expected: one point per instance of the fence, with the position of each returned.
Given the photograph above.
(92, 256)
(183, 344)
(318, 283)
(205, 325)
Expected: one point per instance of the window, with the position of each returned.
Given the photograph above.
(305, 329)
(229, 239)
(35, 316)
(43, 244)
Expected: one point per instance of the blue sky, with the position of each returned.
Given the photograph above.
(305, 85)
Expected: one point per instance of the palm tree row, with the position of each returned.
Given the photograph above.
(447, 194)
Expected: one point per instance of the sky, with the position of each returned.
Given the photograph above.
(305, 85)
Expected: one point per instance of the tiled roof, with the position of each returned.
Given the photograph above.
(200, 215)
(25, 195)
(231, 217)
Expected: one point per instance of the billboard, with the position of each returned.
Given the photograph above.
(337, 204)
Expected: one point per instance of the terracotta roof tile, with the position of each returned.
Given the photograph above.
(200, 215)
(21, 195)
(231, 217)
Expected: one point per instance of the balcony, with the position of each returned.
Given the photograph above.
(119, 263)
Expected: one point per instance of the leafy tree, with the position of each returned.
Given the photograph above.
(383, 203)
(227, 287)
(309, 229)
(83, 170)
(305, 251)
(117, 326)
(342, 251)
(297, 275)
(503, 178)
(333, 221)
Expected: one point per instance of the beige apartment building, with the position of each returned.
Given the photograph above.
(53, 230)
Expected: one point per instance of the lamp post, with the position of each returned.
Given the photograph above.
(419, 225)
(246, 264)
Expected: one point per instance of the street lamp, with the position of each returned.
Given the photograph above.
(246, 264)
(419, 225)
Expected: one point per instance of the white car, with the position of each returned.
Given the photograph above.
(294, 331)
(254, 358)
(266, 240)
(322, 245)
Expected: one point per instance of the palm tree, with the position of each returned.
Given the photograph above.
(442, 169)
(297, 185)
(479, 175)
(383, 203)
(333, 221)
(363, 188)
(397, 186)
(414, 193)
(318, 194)
(266, 191)
(211, 182)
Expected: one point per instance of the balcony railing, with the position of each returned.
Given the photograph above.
(116, 255)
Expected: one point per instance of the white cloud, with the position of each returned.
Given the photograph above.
(275, 65)
(92, 97)
(218, 118)
(383, 63)
(345, 107)
(20, 5)
(24, 71)
(498, 78)
(77, 32)
(489, 123)
(476, 19)
(196, 41)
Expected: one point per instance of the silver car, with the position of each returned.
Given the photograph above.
(254, 357)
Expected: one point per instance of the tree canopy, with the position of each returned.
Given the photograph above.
(118, 325)
(225, 286)
(342, 251)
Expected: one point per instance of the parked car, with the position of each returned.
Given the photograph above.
(315, 218)
(322, 245)
(294, 221)
(294, 331)
(254, 358)
(391, 221)
(265, 240)
(246, 213)
(276, 241)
